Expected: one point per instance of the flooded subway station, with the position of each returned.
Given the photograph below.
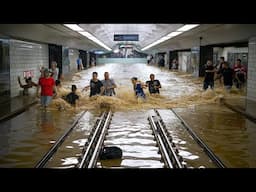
(184, 126)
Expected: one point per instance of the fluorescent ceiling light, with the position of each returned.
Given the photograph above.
(86, 34)
(94, 39)
(173, 34)
(166, 38)
(74, 27)
(116, 51)
(187, 27)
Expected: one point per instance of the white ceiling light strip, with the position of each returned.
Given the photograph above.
(78, 29)
(74, 27)
(171, 35)
(187, 27)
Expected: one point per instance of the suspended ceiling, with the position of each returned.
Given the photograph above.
(148, 33)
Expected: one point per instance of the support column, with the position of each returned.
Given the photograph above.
(88, 59)
(206, 52)
(251, 79)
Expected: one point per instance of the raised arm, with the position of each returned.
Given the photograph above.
(86, 88)
(22, 86)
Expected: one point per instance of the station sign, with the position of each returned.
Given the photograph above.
(126, 37)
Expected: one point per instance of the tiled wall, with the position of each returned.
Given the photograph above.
(25, 56)
(73, 55)
(251, 80)
(184, 61)
(227, 50)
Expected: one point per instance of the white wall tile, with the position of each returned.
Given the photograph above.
(26, 56)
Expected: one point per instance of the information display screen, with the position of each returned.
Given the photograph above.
(126, 37)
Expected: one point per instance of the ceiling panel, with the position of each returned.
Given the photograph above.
(148, 33)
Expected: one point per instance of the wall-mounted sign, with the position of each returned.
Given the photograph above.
(27, 74)
(126, 37)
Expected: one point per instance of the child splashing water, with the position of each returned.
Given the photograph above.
(138, 88)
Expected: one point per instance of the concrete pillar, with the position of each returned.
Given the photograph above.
(251, 79)
(166, 59)
(88, 59)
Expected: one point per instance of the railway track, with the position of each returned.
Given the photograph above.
(167, 148)
(216, 160)
(95, 144)
(162, 139)
(49, 154)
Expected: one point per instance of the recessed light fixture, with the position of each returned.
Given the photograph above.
(171, 35)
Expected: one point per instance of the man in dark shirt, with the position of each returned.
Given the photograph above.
(209, 75)
(96, 86)
(72, 97)
(153, 85)
(227, 73)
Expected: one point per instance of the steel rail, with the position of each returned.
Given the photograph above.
(200, 142)
(90, 156)
(100, 141)
(160, 142)
(58, 143)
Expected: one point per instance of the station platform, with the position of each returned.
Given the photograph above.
(242, 105)
(15, 106)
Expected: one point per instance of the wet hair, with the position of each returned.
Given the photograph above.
(95, 73)
(73, 87)
(46, 70)
(57, 82)
(28, 79)
(134, 78)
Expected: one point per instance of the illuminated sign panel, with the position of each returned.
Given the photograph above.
(126, 37)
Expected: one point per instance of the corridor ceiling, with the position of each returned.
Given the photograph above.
(148, 33)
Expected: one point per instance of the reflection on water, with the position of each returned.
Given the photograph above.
(131, 132)
(46, 122)
(193, 155)
(72, 147)
(228, 134)
(27, 136)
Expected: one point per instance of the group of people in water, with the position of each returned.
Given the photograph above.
(230, 76)
(48, 83)
(107, 86)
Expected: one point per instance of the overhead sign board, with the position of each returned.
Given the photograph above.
(126, 37)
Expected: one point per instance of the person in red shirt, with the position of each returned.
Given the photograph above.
(47, 85)
(240, 74)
